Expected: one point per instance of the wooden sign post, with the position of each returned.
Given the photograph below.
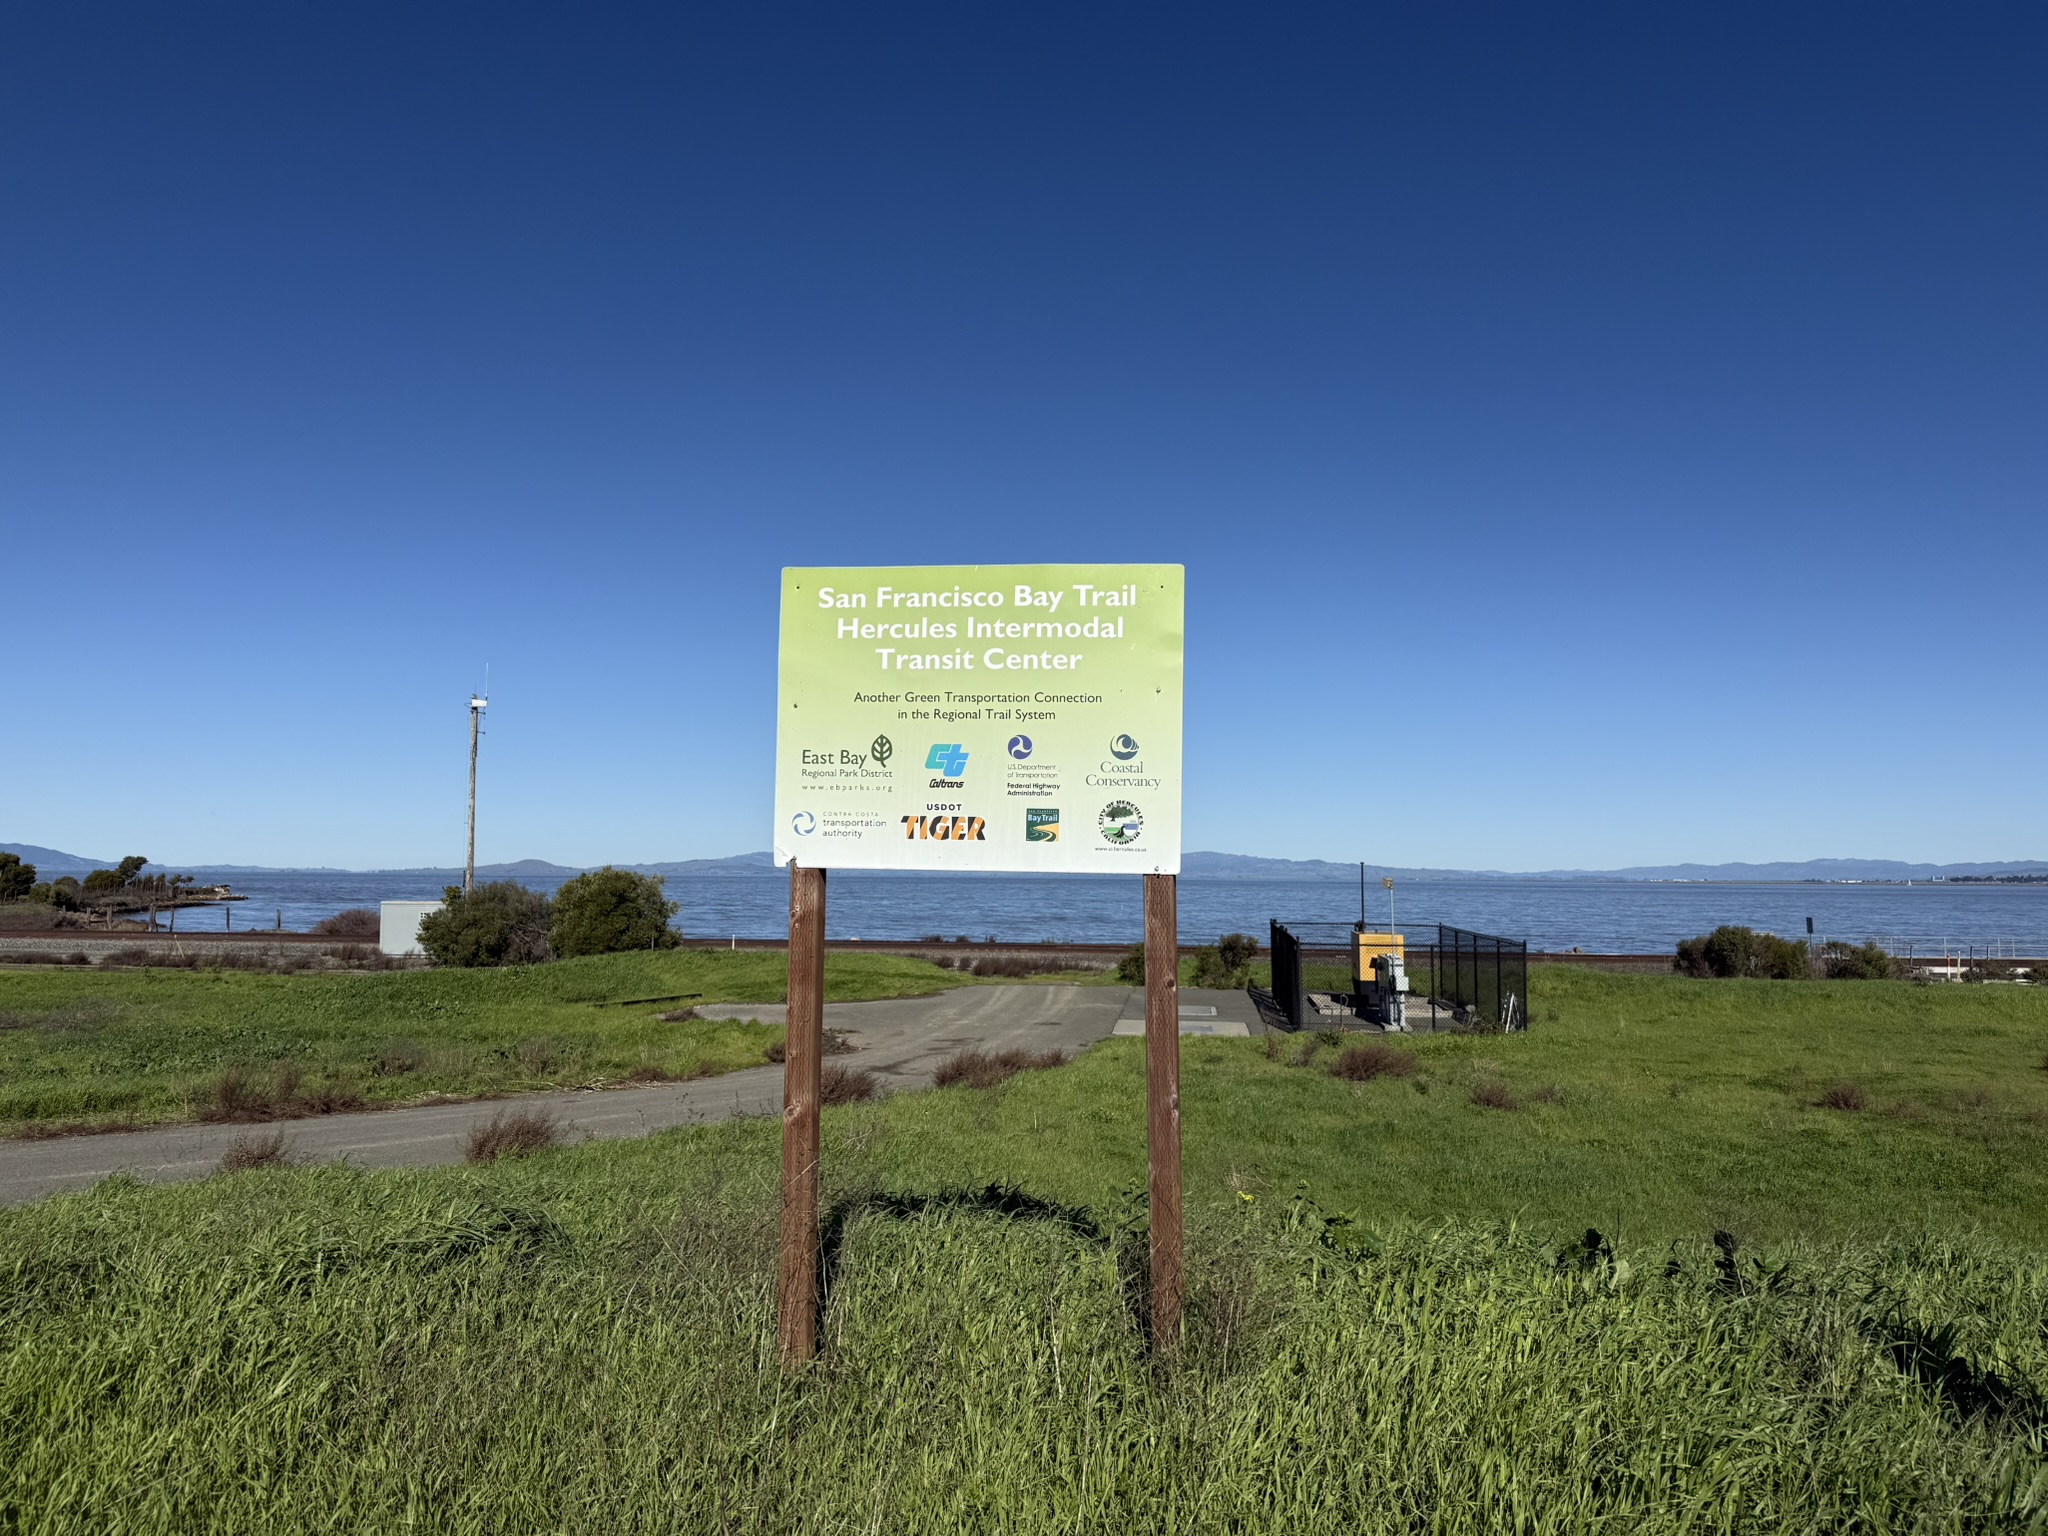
(1162, 1104)
(796, 1278)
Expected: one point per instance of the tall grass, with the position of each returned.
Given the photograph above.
(582, 1341)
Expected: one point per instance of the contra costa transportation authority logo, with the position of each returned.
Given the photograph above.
(1120, 822)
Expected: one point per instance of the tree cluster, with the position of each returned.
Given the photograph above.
(123, 888)
(607, 911)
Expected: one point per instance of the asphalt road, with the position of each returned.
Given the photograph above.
(902, 1041)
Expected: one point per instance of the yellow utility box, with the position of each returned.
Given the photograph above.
(1373, 945)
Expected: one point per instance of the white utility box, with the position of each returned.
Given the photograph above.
(398, 925)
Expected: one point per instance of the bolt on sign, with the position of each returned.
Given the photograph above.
(995, 717)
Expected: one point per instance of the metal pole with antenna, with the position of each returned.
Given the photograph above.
(478, 703)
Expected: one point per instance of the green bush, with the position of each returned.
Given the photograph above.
(610, 911)
(1734, 951)
(16, 878)
(1131, 968)
(1225, 964)
(501, 923)
(1842, 961)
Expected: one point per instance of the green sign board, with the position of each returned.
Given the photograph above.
(993, 717)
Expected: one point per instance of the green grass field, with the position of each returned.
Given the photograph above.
(151, 1045)
(583, 1341)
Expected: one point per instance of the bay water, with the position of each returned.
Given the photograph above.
(1598, 916)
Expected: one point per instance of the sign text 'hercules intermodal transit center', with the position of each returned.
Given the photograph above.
(991, 717)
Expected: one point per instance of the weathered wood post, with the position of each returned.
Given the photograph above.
(1162, 1104)
(796, 1280)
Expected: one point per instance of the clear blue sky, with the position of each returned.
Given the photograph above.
(1595, 434)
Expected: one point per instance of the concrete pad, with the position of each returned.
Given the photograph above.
(1213, 1027)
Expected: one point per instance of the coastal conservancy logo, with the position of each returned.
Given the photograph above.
(881, 749)
(947, 759)
(1042, 824)
(1020, 747)
(1120, 822)
(803, 823)
(1123, 748)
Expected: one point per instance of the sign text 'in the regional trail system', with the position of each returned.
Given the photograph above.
(981, 717)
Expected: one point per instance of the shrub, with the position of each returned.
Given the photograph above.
(1843, 1096)
(609, 911)
(1131, 968)
(254, 1150)
(512, 1133)
(1363, 1063)
(1840, 961)
(397, 1059)
(355, 923)
(973, 1068)
(1237, 950)
(499, 923)
(1226, 963)
(1490, 1095)
(1735, 951)
(846, 1085)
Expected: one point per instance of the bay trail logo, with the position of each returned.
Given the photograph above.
(804, 823)
(1123, 749)
(882, 749)
(1042, 824)
(1020, 747)
(948, 759)
(1120, 822)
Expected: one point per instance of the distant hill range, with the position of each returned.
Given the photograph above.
(50, 863)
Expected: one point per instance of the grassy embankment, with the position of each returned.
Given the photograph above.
(583, 1341)
(156, 1045)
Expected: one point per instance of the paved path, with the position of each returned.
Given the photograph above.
(901, 1041)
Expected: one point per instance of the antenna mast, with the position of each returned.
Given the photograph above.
(478, 703)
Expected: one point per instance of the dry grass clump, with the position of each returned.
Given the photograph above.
(1848, 1097)
(846, 1085)
(1018, 965)
(974, 1068)
(355, 923)
(1363, 1063)
(43, 957)
(512, 1133)
(836, 1044)
(1493, 1095)
(237, 1096)
(256, 1150)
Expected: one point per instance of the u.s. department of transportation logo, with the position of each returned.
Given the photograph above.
(1042, 824)
(1120, 822)
(882, 749)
